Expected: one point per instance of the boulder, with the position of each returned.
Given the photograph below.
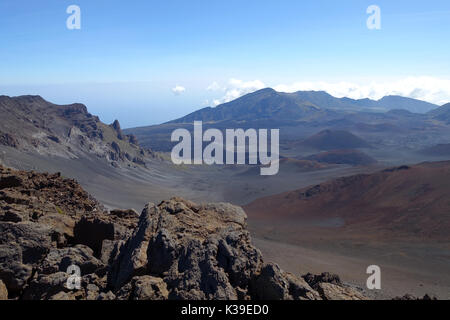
(54, 287)
(150, 288)
(329, 291)
(314, 280)
(106, 296)
(275, 284)
(46, 286)
(133, 140)
(200, 251)
(3, 291)
(144, 288)
(23, 246)
(330, 287)
(59, 260)
(271, 284)
(93, 229)
(110, 250)
(299, 289)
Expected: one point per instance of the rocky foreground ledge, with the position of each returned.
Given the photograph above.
(174, 250)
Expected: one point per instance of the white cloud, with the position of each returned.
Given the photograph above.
(178, 90)
(431, 89)
(235, 89)
(214, 87)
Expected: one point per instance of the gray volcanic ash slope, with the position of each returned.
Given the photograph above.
(38, 135)
(31, 124)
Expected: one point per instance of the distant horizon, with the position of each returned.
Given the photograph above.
(199, 108)
(146, 62)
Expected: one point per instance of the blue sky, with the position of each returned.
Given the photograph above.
(129, 55)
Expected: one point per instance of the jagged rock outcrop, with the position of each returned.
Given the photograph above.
(116, 126)
(38, 214)
(203, 252)
(36, 126)
(44, 199)
(44, 222)
(8, 140)
(174, 250)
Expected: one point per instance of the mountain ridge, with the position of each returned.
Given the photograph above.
(264, 103)
(32, 124)
(298, 114)
(442, 113)
(314, 100)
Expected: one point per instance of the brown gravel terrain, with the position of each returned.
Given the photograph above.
(397, 218)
